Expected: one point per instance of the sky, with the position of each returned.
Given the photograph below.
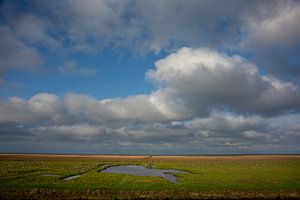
(150, 77)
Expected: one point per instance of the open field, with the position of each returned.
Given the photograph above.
(253, 176)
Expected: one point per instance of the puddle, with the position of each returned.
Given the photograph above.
(71, 177)
(51, 175)
(142, 171)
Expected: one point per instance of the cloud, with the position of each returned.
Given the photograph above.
(75, 108)
(85, 27)
(248, 26)
(84, 130)
(16, 54)
(38, 109)
(35, 30)
(205, 102)
(271, 33)
(203, 80)
(228, 123)
(196, 23)
(242, 134)
(91, 27)
(273, 25)
(251, 27)
(139, 108)
(72, 67)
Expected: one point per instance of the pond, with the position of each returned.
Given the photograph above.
(142, 171)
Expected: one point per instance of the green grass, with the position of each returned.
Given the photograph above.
(207, 175)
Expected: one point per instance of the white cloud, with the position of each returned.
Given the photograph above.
(203, 80)
(227, 123)
(91, 26)
(72, 67)
(253, 135)
(205, 101)
(16, 54)
(273, 25)
(74, 108)
(193, 83)
(86, 26)
(66, 27)
(81, 130)
(133, 108)
(35, 30)
(41, 108)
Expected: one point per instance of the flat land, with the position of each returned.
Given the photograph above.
(28, 176)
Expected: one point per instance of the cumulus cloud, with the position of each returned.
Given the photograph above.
(75, 108)
(65, 27)
(83, 130)
(241, 134)
(204, 80)
(38, 108)
(196, 23)
(271, 33)
(205, 101)
(91, 26)
(193, 83)
(227, 123)
(274, 25)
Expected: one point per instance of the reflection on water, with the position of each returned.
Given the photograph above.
(71, 177)
(142, 171)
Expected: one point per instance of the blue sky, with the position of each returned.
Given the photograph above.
(113, 76)
(165, 76)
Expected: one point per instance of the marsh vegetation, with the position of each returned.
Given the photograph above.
(270, 176)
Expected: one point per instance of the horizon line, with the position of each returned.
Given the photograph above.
(116, 154)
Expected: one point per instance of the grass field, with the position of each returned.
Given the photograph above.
(266, 176)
